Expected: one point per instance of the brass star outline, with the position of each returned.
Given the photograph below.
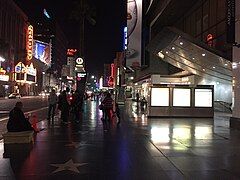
(68, 166)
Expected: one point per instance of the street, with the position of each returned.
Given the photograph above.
(32, 105)
(29, 103)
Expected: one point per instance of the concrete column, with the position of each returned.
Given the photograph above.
(235, 120)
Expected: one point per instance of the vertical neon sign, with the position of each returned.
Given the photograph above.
(29, 44)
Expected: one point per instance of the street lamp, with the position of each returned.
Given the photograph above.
(1, 60)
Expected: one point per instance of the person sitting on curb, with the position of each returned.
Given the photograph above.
(17, 121)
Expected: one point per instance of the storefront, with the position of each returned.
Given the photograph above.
(4, 83)
(175, 97)
(25, 77)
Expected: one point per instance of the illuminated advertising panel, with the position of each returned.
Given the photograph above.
(203, 97)
(29, 42)
(181, 97)
(160, 97)
(134, 33)
(42, 51)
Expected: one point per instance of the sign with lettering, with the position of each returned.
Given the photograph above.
(29, 42)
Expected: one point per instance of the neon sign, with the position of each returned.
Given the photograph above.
(210, 39)
(29, 44)
(71, 52)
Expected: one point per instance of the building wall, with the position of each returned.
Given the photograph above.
(198, 18)
(207, 17)
(13, 26)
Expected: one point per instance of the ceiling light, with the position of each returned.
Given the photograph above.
(173, 48)
(193, 58)
(203, 54)
(181, 43)
(226, 64)
(161, 55)
(213, 67)
(166, 52)
(203, 69)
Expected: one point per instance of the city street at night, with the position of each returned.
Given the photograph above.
(120, 90)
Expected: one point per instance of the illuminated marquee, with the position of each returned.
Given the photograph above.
(29, 44)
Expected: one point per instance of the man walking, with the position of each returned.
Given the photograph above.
(52, 100)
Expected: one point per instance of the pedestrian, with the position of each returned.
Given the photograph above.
(64, 106)
(77, 105)
(117, 111)
(17, 121)
(137, 98)
(52, 103)
(143, 103)
(107, 108)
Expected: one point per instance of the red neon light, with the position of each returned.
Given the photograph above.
(71, 52)
(210, 39)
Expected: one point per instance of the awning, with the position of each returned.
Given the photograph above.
(188, 54)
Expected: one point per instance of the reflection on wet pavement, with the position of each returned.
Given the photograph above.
(139, 148)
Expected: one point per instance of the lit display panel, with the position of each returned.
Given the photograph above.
(160, 97)
(181, 97)
(203, 97)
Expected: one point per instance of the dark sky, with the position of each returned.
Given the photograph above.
(101, 40)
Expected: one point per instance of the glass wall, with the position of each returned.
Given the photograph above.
(207, 22)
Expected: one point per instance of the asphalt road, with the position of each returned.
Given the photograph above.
(30, 103)
(33, 105)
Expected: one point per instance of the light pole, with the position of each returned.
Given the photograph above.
(1, 60)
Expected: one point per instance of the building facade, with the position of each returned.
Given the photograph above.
(188, 41)
(13, 28)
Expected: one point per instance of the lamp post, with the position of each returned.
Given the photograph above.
(1, 60)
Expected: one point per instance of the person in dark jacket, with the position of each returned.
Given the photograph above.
(77, 105)
(17, 121)
(64, 106)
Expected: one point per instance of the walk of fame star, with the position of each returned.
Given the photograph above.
(68, 166)
(78, 145)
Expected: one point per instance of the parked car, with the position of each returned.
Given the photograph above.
(14, 96)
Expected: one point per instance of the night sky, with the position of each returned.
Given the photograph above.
(101, 40)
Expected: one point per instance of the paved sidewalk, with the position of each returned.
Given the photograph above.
(140, 148)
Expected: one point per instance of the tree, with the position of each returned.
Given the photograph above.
(83, 10)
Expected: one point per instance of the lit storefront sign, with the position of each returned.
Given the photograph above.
(20, 68)
(29, 44)
(3, 76)
(25, 74)
(81, 75)
(31, 70)
(79, 62)
(125, 38)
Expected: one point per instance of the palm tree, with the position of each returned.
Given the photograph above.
(83, 10)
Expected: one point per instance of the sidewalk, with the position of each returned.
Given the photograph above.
(140, 148)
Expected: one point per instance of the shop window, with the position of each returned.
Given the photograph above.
(30, 78)
(19, 76)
